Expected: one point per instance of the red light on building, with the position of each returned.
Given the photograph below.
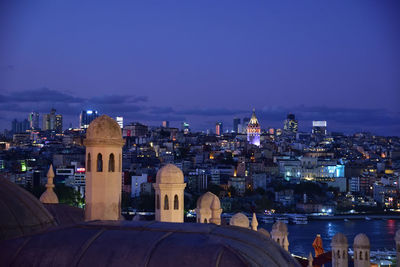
(80, 170)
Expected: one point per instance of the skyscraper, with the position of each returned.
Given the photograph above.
(236, 122)
(290, 124)
(185, 127)
(52, 122)
(253, 130)
(319, 128)
(19, 126)
(165, 124)
(218, 128)
(33, 120)
(120, 121)
(86, 117)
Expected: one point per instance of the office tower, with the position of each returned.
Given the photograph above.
(218, 128)
(19, 126)
(165, 124)
(120, 121)
(185, 127)
(86, 117)
(253, 130)
(52, 122)
(290, 124)
(319, 128)
(33, 120)
(236, 122)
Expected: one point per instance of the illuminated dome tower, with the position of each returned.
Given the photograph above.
(253, 130)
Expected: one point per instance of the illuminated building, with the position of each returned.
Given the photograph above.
(86, 117)
(120, 121)
(165, 124)
(135, 130)
(19, 126)
(185, 127)
(236, 123)
(218, 128)
(33, 120)
(253, 130)
(319, 128)
(291, 124)
(52, 122)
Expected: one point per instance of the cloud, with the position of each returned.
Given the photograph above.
(212, 112)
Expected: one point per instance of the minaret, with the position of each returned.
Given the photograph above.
(339, 250)
(169, 189)
(310, 260)
(254, 222)
(103, 169)
(253, 130)
(48, 196)
(280, 234)
(361, 248)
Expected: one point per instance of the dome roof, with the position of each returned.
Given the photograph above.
(208, 200)
(264, 232)
(280, 227)
(169, 174)
(116, 243)
(239, 219)
(361, 241)
(103, 127)
(21, 213)
(339, 239)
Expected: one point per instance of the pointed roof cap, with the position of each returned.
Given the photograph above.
(254, 120)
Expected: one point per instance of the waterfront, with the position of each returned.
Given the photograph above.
(380, 232)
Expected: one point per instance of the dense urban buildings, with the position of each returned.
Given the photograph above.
(52, 122)
(86, 117)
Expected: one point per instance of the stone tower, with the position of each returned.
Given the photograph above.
(339, 250)
(280, 234)
(103, 169)
(169, 189)
(208, 209)
(49, 196)
(361, 248)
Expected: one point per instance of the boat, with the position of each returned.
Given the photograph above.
(298, 219)
(282, 218)
(367, 218)
(346, 220)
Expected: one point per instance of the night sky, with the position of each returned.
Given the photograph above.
(203, 62)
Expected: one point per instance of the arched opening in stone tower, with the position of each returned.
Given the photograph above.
(176, 202)
(99, 162)
(111, 163)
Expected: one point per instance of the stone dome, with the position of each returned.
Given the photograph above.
(116, 243)
(21, 213)
(104, 127)
(239, 219)
(361, 241)
(170, 174)
(339, 239)
(207, 200)
(280, 227)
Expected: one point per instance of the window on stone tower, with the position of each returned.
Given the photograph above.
(176, 203)
(89, 163)
(166, 204)
(158, 202)
(99, 162)
(111, 163)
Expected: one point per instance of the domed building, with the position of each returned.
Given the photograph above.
(208, 209)
(241, 220)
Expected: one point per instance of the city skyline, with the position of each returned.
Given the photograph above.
(204, 62)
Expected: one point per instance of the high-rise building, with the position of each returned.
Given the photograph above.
(86, 117)
(290, 124)
(120, 121)
(165, 124)
(52, 122)
(244, 124)
(253, 130)
(236, 122)
(19, 126)
(185, 127)
(319, 128)
(218, 128)
(33, 120)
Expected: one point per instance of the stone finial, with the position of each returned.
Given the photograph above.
(49, 196)
(310, 260)
(254, 222)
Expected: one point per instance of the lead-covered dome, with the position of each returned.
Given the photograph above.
(339, 239)
(104, 127)
(361, 241)
(239, 219)
(170, 174)
(20, 212)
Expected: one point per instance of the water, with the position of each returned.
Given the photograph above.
(380, 233)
